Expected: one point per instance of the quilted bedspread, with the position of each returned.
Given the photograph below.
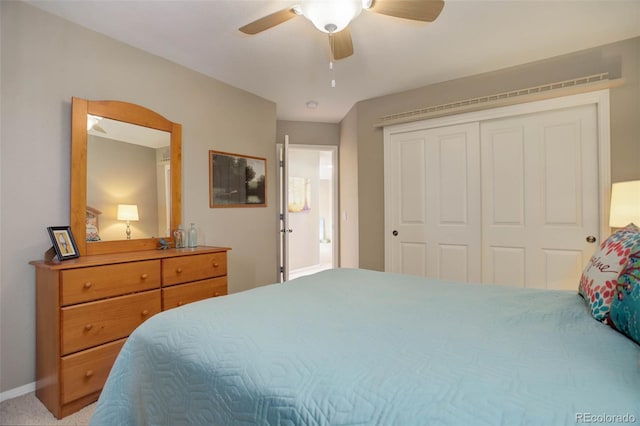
(356, 347)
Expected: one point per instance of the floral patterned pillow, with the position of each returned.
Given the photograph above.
(625, 309)
(600, 276)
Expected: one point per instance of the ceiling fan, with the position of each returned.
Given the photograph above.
(333, 17)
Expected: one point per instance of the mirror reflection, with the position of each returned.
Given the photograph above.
(128, 181)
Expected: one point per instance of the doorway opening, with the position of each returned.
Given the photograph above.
(311, 210)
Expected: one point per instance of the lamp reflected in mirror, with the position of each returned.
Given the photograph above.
(128, 213)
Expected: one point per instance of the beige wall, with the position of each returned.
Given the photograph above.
(620, 59)
(44, 62)
(349, 209)
(308, 133)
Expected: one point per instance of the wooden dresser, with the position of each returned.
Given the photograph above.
(87, 307)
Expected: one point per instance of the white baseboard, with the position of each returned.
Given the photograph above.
(19, 391)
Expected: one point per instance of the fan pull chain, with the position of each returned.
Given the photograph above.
(333, 78)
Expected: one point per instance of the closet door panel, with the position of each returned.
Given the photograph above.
(562, 159)
(407, 196)
(503, 173)
(413, 258)
(412, 182)
(561, 267)
(569, 195)
(504, 222)
(453, 202)
(452, 259)
(558, 191)
(507, 265)
(452, 180)
(433, 202)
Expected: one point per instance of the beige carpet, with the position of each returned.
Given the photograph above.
(27, 410)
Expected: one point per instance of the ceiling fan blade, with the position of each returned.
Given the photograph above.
(416, 10)
(341, 44)
(268, 21)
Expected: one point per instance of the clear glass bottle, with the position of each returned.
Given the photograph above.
(193, 236)
(180, 236)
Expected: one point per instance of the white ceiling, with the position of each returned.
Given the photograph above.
(127, 132)
(289, 64)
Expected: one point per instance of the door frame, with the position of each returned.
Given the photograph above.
(600, 98)
(335, 231)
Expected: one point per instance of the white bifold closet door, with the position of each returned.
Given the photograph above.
(510, 201)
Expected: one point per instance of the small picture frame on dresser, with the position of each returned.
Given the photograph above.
(63, 243)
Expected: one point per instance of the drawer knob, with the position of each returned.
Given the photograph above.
(145, 313)
(88, 374)
(87, 285)
(88, 327)
(216, 264)
(180, 303)
(178, 270)
(144, 276)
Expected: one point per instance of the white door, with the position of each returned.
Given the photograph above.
(308, 204)
(433, 203)
(540, 197)
(284, 229)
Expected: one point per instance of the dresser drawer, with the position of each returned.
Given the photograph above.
(179, 295)
(98, 282)
(91, 324)
(86, 372)
(184, 269)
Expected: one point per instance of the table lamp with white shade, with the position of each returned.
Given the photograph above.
(128, 212)
(625, 204)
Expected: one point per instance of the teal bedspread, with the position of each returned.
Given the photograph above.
(356, 347)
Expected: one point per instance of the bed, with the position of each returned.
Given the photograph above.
(358, 347)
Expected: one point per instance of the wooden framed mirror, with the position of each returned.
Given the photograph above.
(123, 155)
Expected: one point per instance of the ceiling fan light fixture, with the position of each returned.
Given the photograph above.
(331, 16)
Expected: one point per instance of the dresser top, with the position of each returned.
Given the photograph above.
(108, 259)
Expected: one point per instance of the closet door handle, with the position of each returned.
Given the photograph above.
(591, 239)
(395, 233)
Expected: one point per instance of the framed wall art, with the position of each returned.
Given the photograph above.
(237, 180)
(63, 242)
